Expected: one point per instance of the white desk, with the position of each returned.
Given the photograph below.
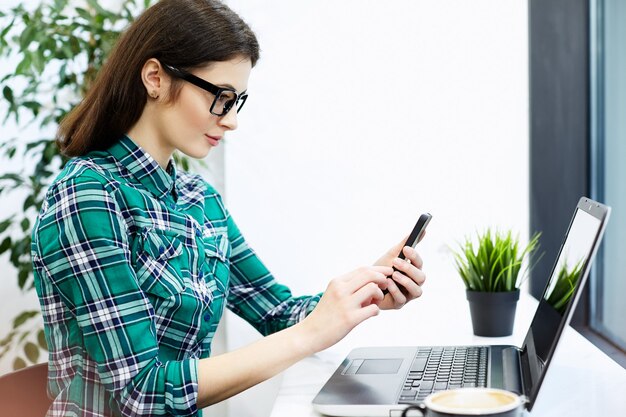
(581, 381)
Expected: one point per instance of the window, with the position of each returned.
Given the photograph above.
(608, 171)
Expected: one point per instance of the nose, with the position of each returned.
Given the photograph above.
(229, 120)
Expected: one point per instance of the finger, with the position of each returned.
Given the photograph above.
(410, 270)
(413, 290)
(365, 313)
(386, 270)
(398, 246)
(412, 255)
(369, 293)
(365, 275)
(398, 297)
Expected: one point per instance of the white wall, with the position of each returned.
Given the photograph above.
(363, 114)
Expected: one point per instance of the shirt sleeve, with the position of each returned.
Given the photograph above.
(83, 249)
(254, 293)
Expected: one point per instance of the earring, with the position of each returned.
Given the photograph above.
(153, 94)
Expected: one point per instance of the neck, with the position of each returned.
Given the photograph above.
(147, 136)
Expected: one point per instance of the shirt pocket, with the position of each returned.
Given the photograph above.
(216, 259)
(217, 246)
(157, 263)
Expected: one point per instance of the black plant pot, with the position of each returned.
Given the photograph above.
(493, 313)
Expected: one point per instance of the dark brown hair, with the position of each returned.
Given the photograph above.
(183, 33)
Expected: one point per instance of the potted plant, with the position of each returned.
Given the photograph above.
(49, 55)
(491, 273)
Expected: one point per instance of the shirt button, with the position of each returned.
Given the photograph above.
(207, 317)
(162, 250)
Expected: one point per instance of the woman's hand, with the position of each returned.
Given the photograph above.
(348, 300)
(409, 276)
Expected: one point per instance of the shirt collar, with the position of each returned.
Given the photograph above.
(144, 168)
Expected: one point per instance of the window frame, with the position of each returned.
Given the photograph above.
(566, 139)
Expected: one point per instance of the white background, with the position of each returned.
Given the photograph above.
(362, 115)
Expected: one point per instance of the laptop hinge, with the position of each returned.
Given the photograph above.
(527, 372)
(512, 370)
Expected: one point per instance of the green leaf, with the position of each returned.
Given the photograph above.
(7, 92)
(5, 245)
(50, 151)
(99, 10)
(18, 363)
(83, 13)
(31, 351)
(4, 351)
(27, 36)
(24, 66)
(75, 45)
(29, 202)
(23, 317)
(36, 143)
(32, 106)
(22, 277)
(7, 27)
(5, 225)
(59, 4)
(8, 338)
(12, 177)
(25, 224)
(23, 336)
(41, 339)
(38, 61)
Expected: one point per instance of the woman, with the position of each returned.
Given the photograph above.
(135, 261)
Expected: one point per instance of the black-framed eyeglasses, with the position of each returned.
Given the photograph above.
(225, 97)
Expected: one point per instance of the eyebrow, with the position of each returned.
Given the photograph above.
(231, 86)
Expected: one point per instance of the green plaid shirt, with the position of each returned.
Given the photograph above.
(133, 267)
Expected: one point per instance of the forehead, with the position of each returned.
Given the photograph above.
(232, 73)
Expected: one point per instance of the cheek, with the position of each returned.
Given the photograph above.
(194, 109)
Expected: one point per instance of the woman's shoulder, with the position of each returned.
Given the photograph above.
(90, 169)
(82, 182)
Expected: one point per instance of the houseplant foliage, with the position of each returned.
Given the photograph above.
(495, 264)
(51, 54)
(565, 285)
(492, 273)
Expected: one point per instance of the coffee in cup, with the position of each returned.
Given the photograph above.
(469, 402)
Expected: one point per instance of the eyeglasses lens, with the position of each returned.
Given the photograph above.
(223, 102)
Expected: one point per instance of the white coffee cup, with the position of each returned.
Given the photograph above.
(461, 402)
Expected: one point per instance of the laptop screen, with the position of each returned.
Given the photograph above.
(556, 305)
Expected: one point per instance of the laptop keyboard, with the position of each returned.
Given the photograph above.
(441, 368)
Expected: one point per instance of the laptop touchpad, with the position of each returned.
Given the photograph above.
(380, 366)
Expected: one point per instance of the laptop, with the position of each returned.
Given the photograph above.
(382, 381)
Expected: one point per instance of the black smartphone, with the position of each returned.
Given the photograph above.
(414, 237)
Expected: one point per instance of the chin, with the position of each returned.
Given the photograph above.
(197, 153)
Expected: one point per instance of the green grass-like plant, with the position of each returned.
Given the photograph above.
(495, 264)
(565, 285)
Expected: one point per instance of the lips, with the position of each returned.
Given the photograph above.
(213, 140)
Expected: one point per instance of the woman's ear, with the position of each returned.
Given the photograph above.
(154, 78)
